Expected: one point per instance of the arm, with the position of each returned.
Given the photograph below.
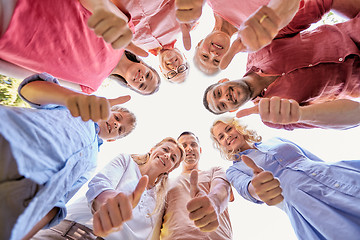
(287, 114)
(219, 194)
(110, 23)
(204, 209)
(285, 10)
(43, 89)
(346, 8)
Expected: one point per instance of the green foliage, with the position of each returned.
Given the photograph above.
(8, 92)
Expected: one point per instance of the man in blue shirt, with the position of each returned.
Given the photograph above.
(47, 154)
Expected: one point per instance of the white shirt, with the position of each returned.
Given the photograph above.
(121, 174)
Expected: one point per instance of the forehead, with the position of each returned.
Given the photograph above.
(188, 138)
(173, 147)
(219, 128)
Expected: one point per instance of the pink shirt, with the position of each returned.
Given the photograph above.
(53, 36)
(155, 21)
(237, 11)
(176, 222)
(314, 66)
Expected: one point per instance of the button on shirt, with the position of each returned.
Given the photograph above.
(53, 149)
(317, 195)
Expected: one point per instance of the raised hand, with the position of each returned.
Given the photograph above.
(274, 110)
(255, 33)
(202, 209)
(187, 13)
(264, 185)
(112, 25)
(117, 209)
(91, 107)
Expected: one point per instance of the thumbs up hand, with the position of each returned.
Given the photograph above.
(117, 208)
(202, 209)
(91, 107)
(263, 186)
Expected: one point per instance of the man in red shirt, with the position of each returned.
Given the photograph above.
(311, 68)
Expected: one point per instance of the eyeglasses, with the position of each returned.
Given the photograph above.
(180, 69)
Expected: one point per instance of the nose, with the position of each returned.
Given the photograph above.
(188, 148)
(167, 155)
(141, 79)
(214, 53)
(116, 125)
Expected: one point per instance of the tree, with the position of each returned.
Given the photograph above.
(8, 92)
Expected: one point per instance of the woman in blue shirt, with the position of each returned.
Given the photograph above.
(317, 196)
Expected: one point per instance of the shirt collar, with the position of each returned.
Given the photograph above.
(97, 130)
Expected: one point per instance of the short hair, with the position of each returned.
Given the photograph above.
(118, 108)
(122, 81)
(202, 67)
(205, 101)
(188, 133)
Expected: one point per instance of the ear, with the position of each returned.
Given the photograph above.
(111, 140)
(223, 80)
(199, 43)
(200, 150)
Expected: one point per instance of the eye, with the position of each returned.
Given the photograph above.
(193, 145)
(216, 62)
(184, 145)
(219, 93)
(147, 75)
(121, 130)
(165, 149)
(221, 137)
(205, 57)
(116, 118)
(141, 86)
(173, 158)
(223, 105)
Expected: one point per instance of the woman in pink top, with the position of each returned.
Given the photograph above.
(54, 36)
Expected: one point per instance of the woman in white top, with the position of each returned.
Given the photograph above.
(125, 197)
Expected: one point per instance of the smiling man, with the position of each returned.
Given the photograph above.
(196, 204)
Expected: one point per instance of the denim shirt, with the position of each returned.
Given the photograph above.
(314, 191)
(52, 148)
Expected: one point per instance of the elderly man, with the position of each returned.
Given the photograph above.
(196, 204)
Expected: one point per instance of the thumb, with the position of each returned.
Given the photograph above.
(136, 50)
(247, 111)
(119, 100)
(140, 188)
(185, 30)
(251, 164)
(194, 188)
(236, 47)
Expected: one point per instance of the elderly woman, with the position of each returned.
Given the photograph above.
(316, 196)
(123, 202)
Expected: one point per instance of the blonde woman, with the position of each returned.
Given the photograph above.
(125, 197)
(316, 196)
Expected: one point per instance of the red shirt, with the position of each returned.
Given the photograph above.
(313, 66)
(53, 36)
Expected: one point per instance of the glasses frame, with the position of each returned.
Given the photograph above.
(177, 71)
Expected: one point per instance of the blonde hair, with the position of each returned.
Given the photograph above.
(250, 136)
(161, 181)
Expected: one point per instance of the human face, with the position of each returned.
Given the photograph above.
(141, 78)
(229, 138)
(211, 49)
(165, 156)
(118, 125)
(228, 96)
(192, 150)
(170, 59)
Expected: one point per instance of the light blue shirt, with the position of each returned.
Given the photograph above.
(321, 199)
(53, 149)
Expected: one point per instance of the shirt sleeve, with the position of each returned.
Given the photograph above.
(108, 177)
(38, 77)
(240, 181)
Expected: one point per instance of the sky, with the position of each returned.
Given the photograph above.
(178, 107)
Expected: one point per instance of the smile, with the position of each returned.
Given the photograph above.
(217, 46)
(162, 161)
(232, 95)
(108, 127)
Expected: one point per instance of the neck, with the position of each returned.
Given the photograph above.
(122, 66)
(187, 169)
(150, 172)
(224, 26)
(258, 83)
